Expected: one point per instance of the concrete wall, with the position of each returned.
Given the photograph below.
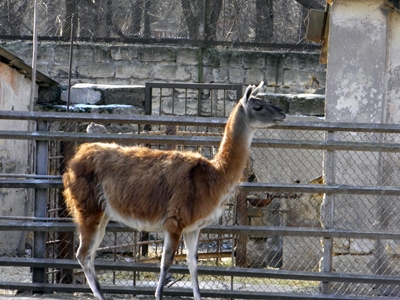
(285, 72)
(14, 155)
(363, 75)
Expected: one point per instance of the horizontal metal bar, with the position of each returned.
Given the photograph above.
(320, 188)
(265, 231)
(255, 231)
(76, 288)
(245, 186)
(192, 121)
(196, 141)
(204, 270)
(36, 176)
(112, 118)
(186, 85)
(31, 183)
(113, 137)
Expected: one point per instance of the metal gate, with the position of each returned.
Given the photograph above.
(320, 202)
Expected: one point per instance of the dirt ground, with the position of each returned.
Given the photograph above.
(21, 274)
(75, 296)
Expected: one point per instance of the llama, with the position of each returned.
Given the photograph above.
(175, 192)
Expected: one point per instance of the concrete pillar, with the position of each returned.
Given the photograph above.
(355, 85)
(363, 76)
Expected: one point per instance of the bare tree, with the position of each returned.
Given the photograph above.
(12, 15)
(192, 13)
(214, 13)
(71, 17)
(265, 21)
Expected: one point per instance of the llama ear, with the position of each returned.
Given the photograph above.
(257, 89)
(247, 94)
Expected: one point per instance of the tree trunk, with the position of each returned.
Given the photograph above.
(265, 21)
(215, 10)
(191, 17)
(137, 18)
(147, 31)
(71, 16)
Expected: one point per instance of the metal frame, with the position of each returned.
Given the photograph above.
(41, 182)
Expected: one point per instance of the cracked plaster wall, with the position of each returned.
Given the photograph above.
(14, 154)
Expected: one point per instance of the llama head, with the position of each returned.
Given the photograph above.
(260, 113)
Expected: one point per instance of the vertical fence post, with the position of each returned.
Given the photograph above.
(40, 207)
(328, 213)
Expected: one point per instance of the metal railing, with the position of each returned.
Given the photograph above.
(331, 145)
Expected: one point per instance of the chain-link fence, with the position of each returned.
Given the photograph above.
(318, 204)
(211, 22)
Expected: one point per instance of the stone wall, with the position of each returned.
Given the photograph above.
(285, 72)
(106, 70)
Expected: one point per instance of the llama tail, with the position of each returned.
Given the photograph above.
(80, 191)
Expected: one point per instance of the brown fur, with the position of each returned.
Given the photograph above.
(176, 192)
(187, 187)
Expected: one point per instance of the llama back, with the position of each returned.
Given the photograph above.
(135, 183)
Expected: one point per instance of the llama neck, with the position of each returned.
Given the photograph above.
(234, 150)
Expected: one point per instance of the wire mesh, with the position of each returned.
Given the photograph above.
(352, 255)
(239, 21)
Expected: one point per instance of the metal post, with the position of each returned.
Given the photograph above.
(328, 214)
(71, 47)
(40, 206)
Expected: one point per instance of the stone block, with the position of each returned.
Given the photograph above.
(130, 95)
(124, 53)
(187, 56)
(169, 72)
(278, 99)
(45, 53)
(215, 75)
(156, 54)
(225, 58)
(236, 60)
(133, 70)
(253, 60)
(211, 58)
(61, 55)
(83, 54)
(101, 54)
(236, 75)
(307, 104)
(103, 70)
(254, 76)
(106, 94)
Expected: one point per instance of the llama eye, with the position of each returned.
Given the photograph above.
(258, 108)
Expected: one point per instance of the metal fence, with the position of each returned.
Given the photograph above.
(320, 203)
(273, 23)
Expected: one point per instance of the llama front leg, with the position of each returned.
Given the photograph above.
(90, 239)
(191, 240)
(171, 242)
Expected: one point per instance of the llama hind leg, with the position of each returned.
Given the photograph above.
(191, 240)
(90, 237)
(171, 242)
